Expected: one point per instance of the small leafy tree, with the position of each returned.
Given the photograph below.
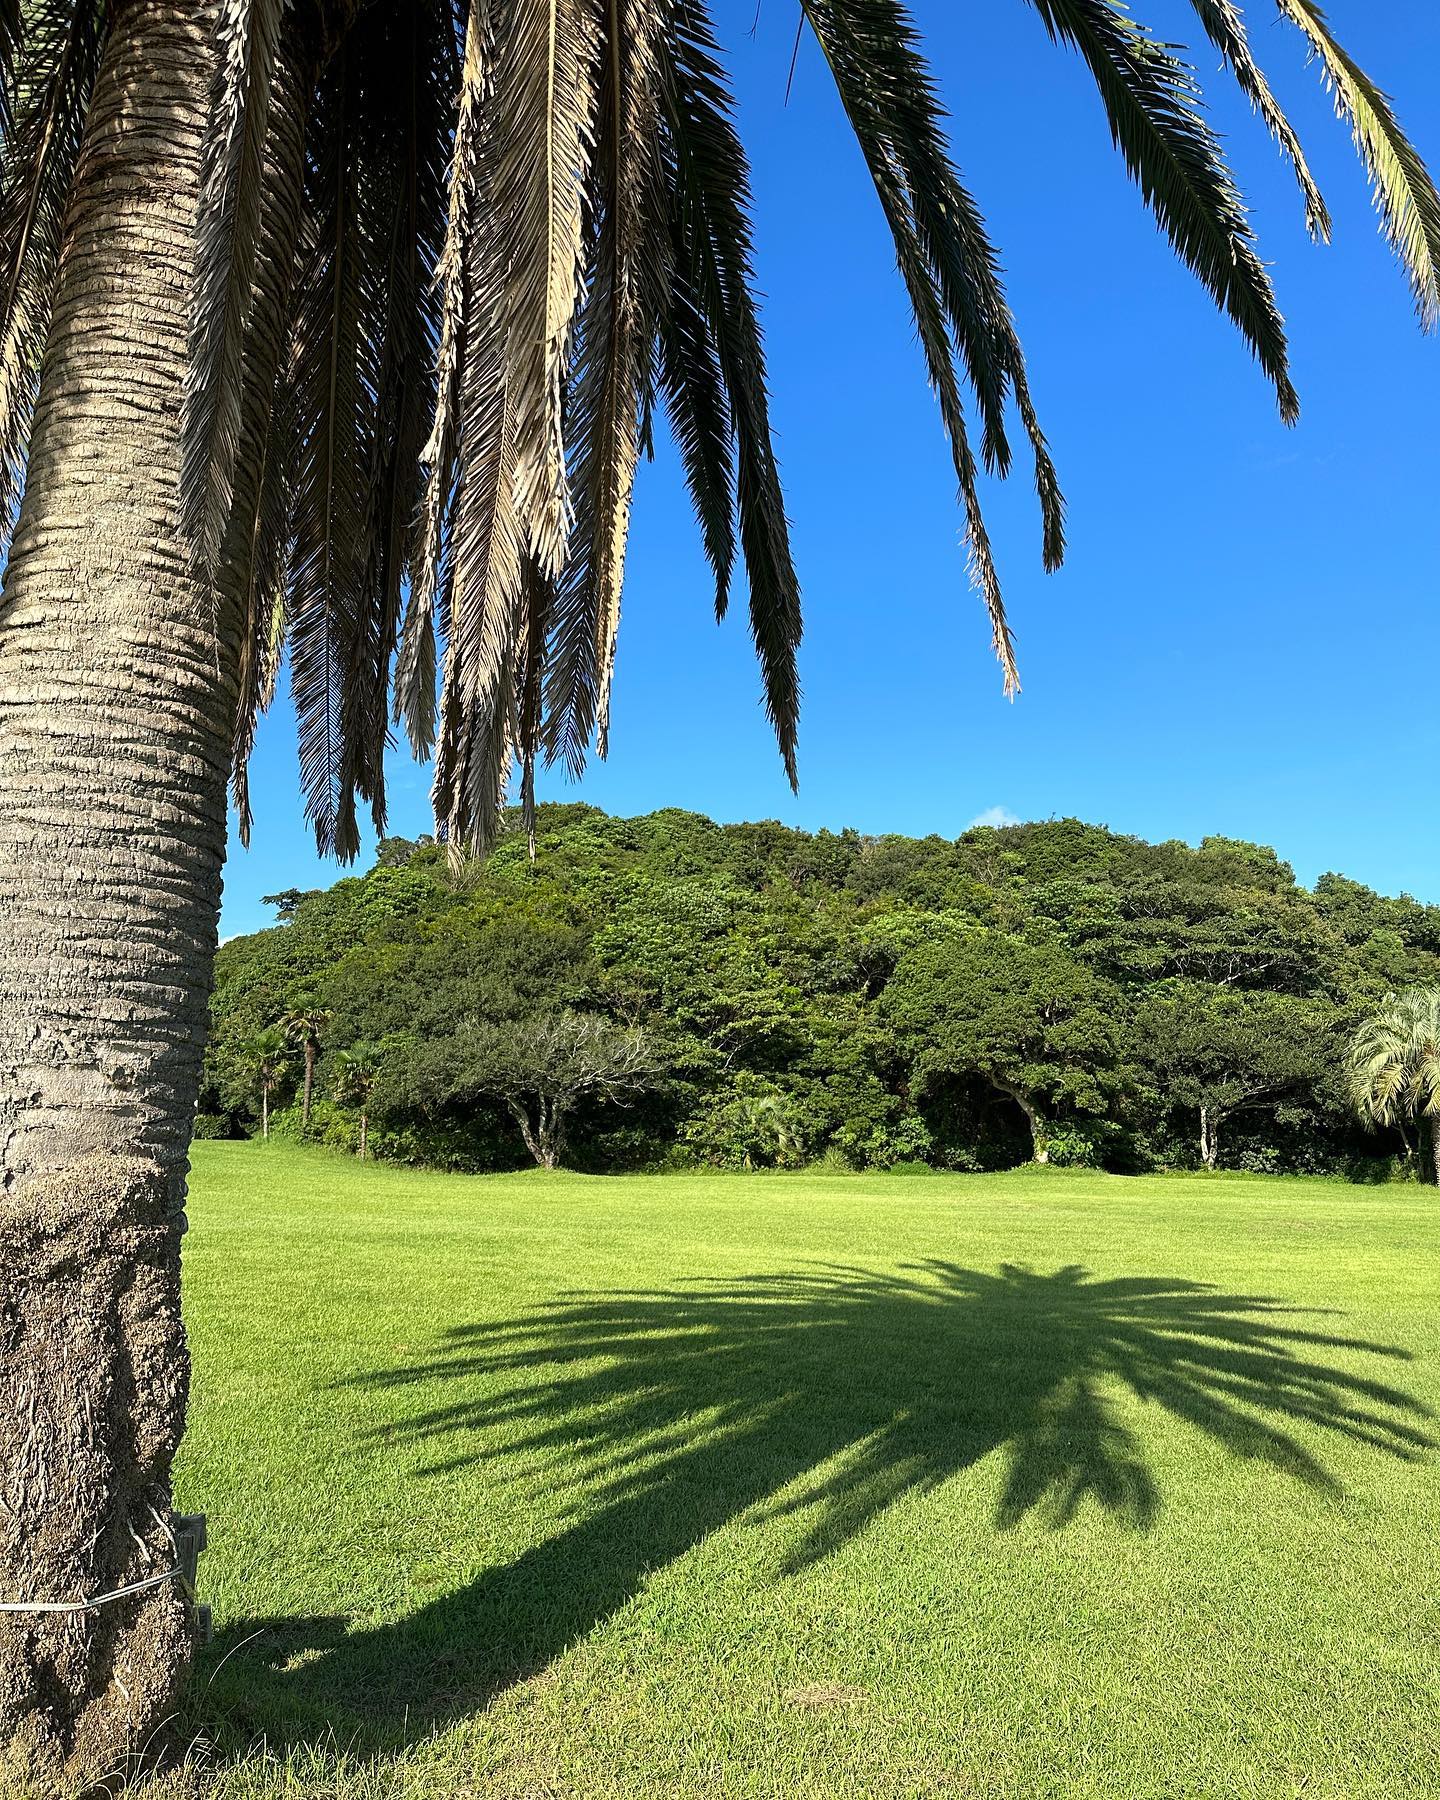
(1222, 1051)
(265, 1060)
(304, 1026)
(287, 904)
(540, 1069)
(356, 1072)
(1038, 1027)
(1394, 1068)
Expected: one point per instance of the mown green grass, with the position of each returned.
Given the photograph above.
(1023, 1486)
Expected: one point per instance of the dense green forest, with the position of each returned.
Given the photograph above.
(665, 990)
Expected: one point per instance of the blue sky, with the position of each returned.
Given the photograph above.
(1244, 639)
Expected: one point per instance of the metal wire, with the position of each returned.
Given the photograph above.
(80, 1606)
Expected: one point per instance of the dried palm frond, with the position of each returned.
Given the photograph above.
(253, 560)
(626, 295)
(541, 148)
(430, 573)
(232, 191)
(333, 371)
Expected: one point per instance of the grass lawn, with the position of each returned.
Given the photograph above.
(1030, 1485)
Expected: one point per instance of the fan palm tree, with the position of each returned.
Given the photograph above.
(384, 407)
(304, 1026)
(356, 1071)
(1394, 1069)
(265, 1059)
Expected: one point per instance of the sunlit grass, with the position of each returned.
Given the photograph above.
(1028, 1485)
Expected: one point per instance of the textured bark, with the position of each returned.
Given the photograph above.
(544, 1135)
(1427, 1156)
(116, 689)
(93, 1406)
(117, 695)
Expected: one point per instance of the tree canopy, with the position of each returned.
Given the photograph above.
(1052, 988)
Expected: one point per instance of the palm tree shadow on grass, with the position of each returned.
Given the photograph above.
(821, 1396)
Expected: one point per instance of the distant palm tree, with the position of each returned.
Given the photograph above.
(770, 1122)
(1395, 1068)
(304, 1026)
(453, 257)
(265, 1059)
(356, 1071)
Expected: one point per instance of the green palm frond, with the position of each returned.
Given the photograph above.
(362, 387)
(406, 97)
(1404, 193)
(1153, 103)
(53, 54)
(334, 439)
(354, 1072)
(692, 386)
(12, 38)
(1394, 1062)
(889, 97)
(710, 223)
(1225, 27)
(874, 52)
(951, 288)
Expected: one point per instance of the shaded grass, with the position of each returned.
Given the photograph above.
(1038, 1484)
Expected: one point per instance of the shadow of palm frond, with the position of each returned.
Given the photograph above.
(821, 1396)
(916, 1374)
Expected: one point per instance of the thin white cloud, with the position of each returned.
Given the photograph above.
(994, 815)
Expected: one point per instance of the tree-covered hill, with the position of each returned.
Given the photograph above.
(665, 989)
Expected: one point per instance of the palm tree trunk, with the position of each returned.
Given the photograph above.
(1427, 1154)
(309, 1083)
(265, 1111)
(117, 692)
(364, 1133)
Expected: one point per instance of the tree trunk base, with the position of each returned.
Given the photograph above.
(95, 1376)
